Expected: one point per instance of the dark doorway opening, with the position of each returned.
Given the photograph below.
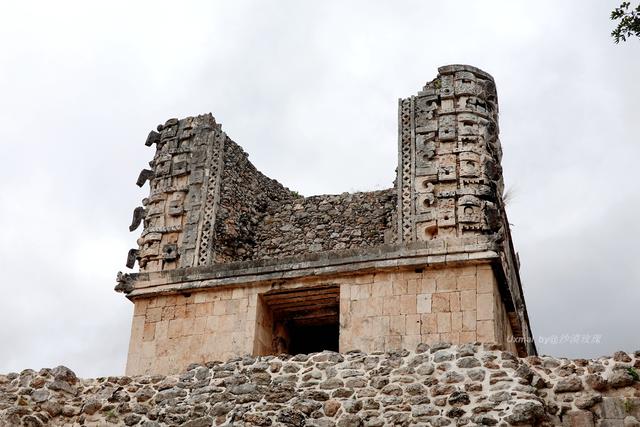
(313, 338)
(303, 320)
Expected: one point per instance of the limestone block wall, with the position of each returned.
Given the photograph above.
(437, 385)
(170, 332)
(386, 311)
(377, 312)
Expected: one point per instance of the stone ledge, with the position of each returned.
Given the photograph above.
(313, 265)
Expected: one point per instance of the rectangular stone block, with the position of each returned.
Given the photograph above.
(374, 306)
(423, 303)
(399, 287)
(440, 303)
(486, 331)
(392, 342)
(397, 325)
(364, 278)
(431, 338)
(486, 279)
(580, 419)
(413, 324)
(168, 312)
(345, 291)
(468, 300)
(427, 285)
(467, 337)
(612, 408)
(199, 325)
(175, 328)
(428, 324)
(456, 321)
(377, 326)
(360, 291)
(161, 331)
(219, 308)
(412, 286)
(408, 304)
(469, 320)
(444, 322)
(203, 309)
(466, 282)
(391, 305)
(140, 306)
(454, 301)
(452, 337)
(381, 289)
(485, 306)
(410, 342)
(149, 332)
(180, 311)
(154, 314)
(446, 283)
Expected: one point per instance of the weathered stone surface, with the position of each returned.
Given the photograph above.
(631, 421)
(468, 362)
(596, 382)
(220, 234)
(568, 384)
(225, 394)
(526, 413)
(587, 401)
(620, 378)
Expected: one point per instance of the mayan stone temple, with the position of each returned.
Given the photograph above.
(232, 262)
(255, 306)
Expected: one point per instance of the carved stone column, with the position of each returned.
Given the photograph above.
(449, 177)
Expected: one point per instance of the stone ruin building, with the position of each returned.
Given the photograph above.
(255, 306)
(231, 262)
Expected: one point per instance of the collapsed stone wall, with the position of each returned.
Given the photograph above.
(210, 205)
(326, 223)
(258, 218)
(441, 385)
(246, 196)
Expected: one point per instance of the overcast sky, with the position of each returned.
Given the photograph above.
(309, 89)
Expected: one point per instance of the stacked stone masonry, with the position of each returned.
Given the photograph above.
(377, 312)
(437, 385)
(232, 262)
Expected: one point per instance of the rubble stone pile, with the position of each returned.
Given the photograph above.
(438, 385)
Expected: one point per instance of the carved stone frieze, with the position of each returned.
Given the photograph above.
(449, 175)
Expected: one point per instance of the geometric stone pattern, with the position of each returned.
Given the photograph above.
(178, 219)
(437, 385)
(450, 182)
(187, 222)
